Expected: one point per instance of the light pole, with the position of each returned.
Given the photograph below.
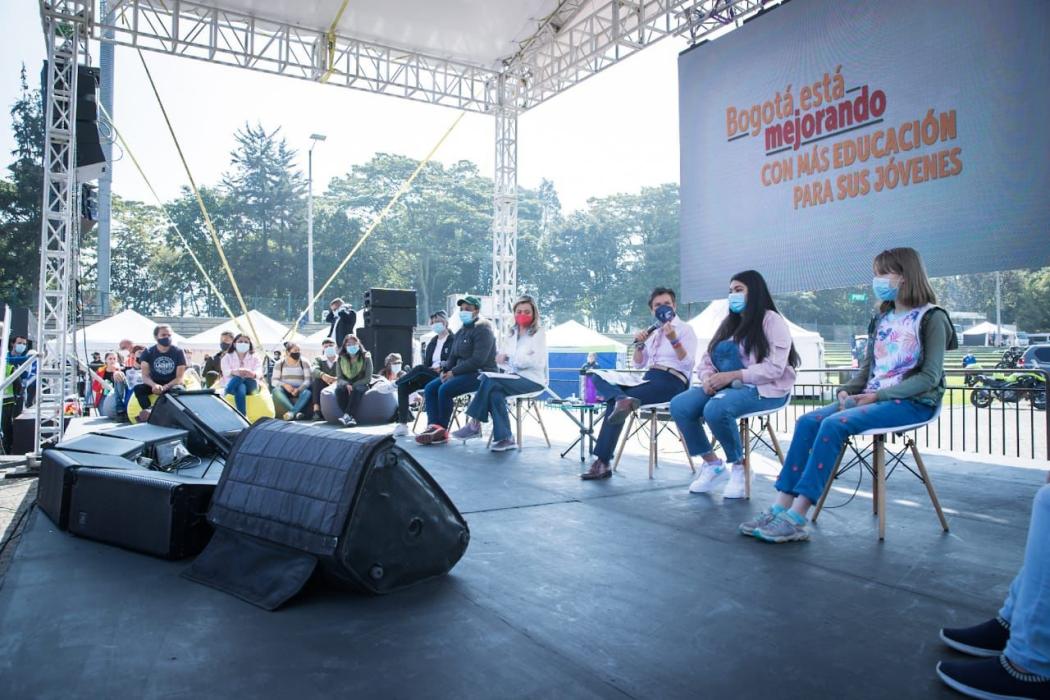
(314, 138)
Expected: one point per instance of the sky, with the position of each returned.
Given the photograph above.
(616, 132)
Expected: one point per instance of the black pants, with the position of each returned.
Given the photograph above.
(142, 393)
(316, 386)
(349, 397)
(414, 380)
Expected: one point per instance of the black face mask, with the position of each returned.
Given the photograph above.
(224, 346)
(294, 355)
(164, 342)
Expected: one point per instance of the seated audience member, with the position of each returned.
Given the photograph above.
(667, 354)
(291, 381)
(392, 371)
(162, 367)
(131, 365)
(749, 366)
(241, 371)
(116, 383)
(343, 319)
(353, 375)
(213, 366)
(1016, 643)
(437, 352)
(524, 354)
(473, 351)
(325, 369)
(900, 382)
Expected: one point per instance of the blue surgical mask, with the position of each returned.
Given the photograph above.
(20, 349)
(352, 349)
(437, 327)
(737, 301)
(330, 351)
(467, 317)
(883, 288)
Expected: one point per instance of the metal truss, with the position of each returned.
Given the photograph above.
(505, 202)
(195, 30)
(66, 31)
(583, 37)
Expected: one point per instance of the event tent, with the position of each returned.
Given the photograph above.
(984, 334)
(567, 347)
(573, 336)
(808, 344)
(271, 333)
(126, 325)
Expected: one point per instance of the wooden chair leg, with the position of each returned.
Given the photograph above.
(745, 438)
(880, 482)
(776, 443)
(623, 440)
(929, 484)
(539, 419)
(832, 475)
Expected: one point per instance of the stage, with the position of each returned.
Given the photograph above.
(622, 588)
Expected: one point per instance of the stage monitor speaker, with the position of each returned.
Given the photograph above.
(147, 511)
(383, 340)
(160, 443)
(211, 423)
(391, 298)
(386, 316)
(103, 445)
(295, 499)
(58, 471)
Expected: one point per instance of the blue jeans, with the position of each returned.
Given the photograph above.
(240, 388)
(438, 396)
(300, 402)
(491, 399)
(1027, 608)
(721, 411)
(820, 434)
(660, 386)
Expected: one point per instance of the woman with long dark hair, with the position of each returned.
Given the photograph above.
(749, 366)
(241, 370)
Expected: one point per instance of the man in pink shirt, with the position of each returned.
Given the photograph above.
(666, 350)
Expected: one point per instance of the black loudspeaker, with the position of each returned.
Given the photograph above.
(381, 341)
(103, 445)
(295, 499)
(386, 316)
(391, 298)
(24, 432)
(19, 323)
(153, 512)
(58, 471)
(211, 424)
(159, 443)
(90, 160)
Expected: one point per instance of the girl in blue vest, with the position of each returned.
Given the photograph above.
(900, 382)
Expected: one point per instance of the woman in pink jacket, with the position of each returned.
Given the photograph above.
(241, 371)
(749, 366)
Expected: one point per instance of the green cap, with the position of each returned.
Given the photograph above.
(470, 299)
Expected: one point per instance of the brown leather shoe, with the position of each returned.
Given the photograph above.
(623, 407)
(598, 470)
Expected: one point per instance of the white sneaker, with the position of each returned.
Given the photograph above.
(401, 430)
(712, 474)
(737, 486)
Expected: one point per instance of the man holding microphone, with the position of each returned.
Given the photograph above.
(667, 351)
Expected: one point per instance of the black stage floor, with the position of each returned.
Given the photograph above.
(625, 588)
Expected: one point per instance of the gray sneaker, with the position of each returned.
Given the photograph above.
(762, 519)
(504, 445)
(467, 432)
(781, 529)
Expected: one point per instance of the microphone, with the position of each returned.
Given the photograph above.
(648, 331)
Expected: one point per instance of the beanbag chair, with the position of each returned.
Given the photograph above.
(259, 404)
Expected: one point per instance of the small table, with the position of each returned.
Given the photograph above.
(590, 418)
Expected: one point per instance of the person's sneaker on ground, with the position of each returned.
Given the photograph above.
(469, 431)
(598, 470)
(298, 416)
(992, 678)
(504, 445)
(434, 435)
(622, 408)
(712, 475)
(348, 421)
(737, 486)
(764, 518)
(288, 415)
(986, 639)
(785, 527)
(401, 430)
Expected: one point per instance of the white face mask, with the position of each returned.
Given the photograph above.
(396, 369)
(330, 351)
(241, 347)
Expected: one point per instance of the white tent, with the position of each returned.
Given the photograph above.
(573, 336)
(126, 325)
(984, 334)
(808, 344)
(271, 333)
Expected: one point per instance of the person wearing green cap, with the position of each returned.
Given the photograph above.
(473, 351)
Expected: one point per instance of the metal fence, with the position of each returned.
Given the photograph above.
(999, 412)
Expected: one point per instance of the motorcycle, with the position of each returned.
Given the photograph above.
(1008, 390)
